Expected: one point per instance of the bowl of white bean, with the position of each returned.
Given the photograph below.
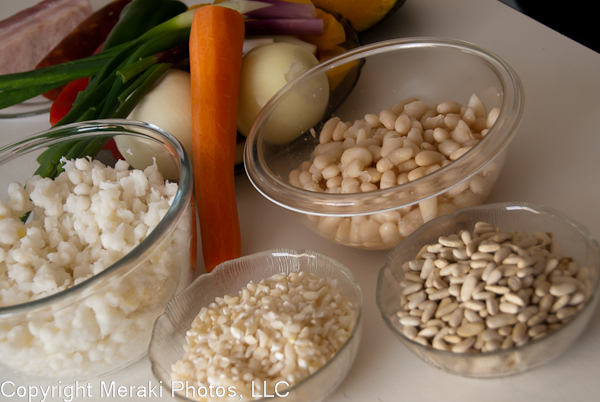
(277, 323)
(491, 290)
(424, 132)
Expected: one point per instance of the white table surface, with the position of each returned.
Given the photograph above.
(553, 161)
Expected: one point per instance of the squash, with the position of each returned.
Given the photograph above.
(362, 14)
(333, 33)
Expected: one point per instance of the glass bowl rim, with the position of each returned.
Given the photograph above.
(278, 191)
(590, 302)
(84, 129)
(291, 253)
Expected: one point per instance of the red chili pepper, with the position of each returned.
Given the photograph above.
(111, 146)
(63, 103)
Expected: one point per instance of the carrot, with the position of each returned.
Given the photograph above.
(216, 41)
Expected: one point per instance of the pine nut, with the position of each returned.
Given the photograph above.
(471, 329)
(509, 308)
(519, 333)
(486, 289)
(562, 289)
(463, 345)
(410, 321)
(428, 332)
(500, 320)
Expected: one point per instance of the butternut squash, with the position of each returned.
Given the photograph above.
(362, 14)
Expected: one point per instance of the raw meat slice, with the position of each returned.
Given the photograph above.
(26, 37)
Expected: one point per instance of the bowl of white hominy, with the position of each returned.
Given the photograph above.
(423, 133)
(90, 258)
(276, 323)
(491, 290)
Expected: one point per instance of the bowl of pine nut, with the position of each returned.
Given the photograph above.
(423, 132)
(491, 290)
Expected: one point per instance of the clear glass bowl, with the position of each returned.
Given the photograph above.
(30, 107)
(168, 339)
(431, 69)
(576, 243)
(40, 339)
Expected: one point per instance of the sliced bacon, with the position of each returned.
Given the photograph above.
(26, 37)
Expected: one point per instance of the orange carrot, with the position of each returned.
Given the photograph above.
(216, 41)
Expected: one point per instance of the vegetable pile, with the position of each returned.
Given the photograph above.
(137, 52)
(108, 65)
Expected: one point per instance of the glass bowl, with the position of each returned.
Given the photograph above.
(30, 107)
(433, 70)
(169, 336)
(104, 323)
(575, 242)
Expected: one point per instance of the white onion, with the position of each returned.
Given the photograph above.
(265, 70)
(169, 106)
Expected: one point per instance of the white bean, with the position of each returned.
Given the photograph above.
(388, 119)
(403, 124)
(449, 107)
(326, 134)
(415, 109)
(492, 117)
